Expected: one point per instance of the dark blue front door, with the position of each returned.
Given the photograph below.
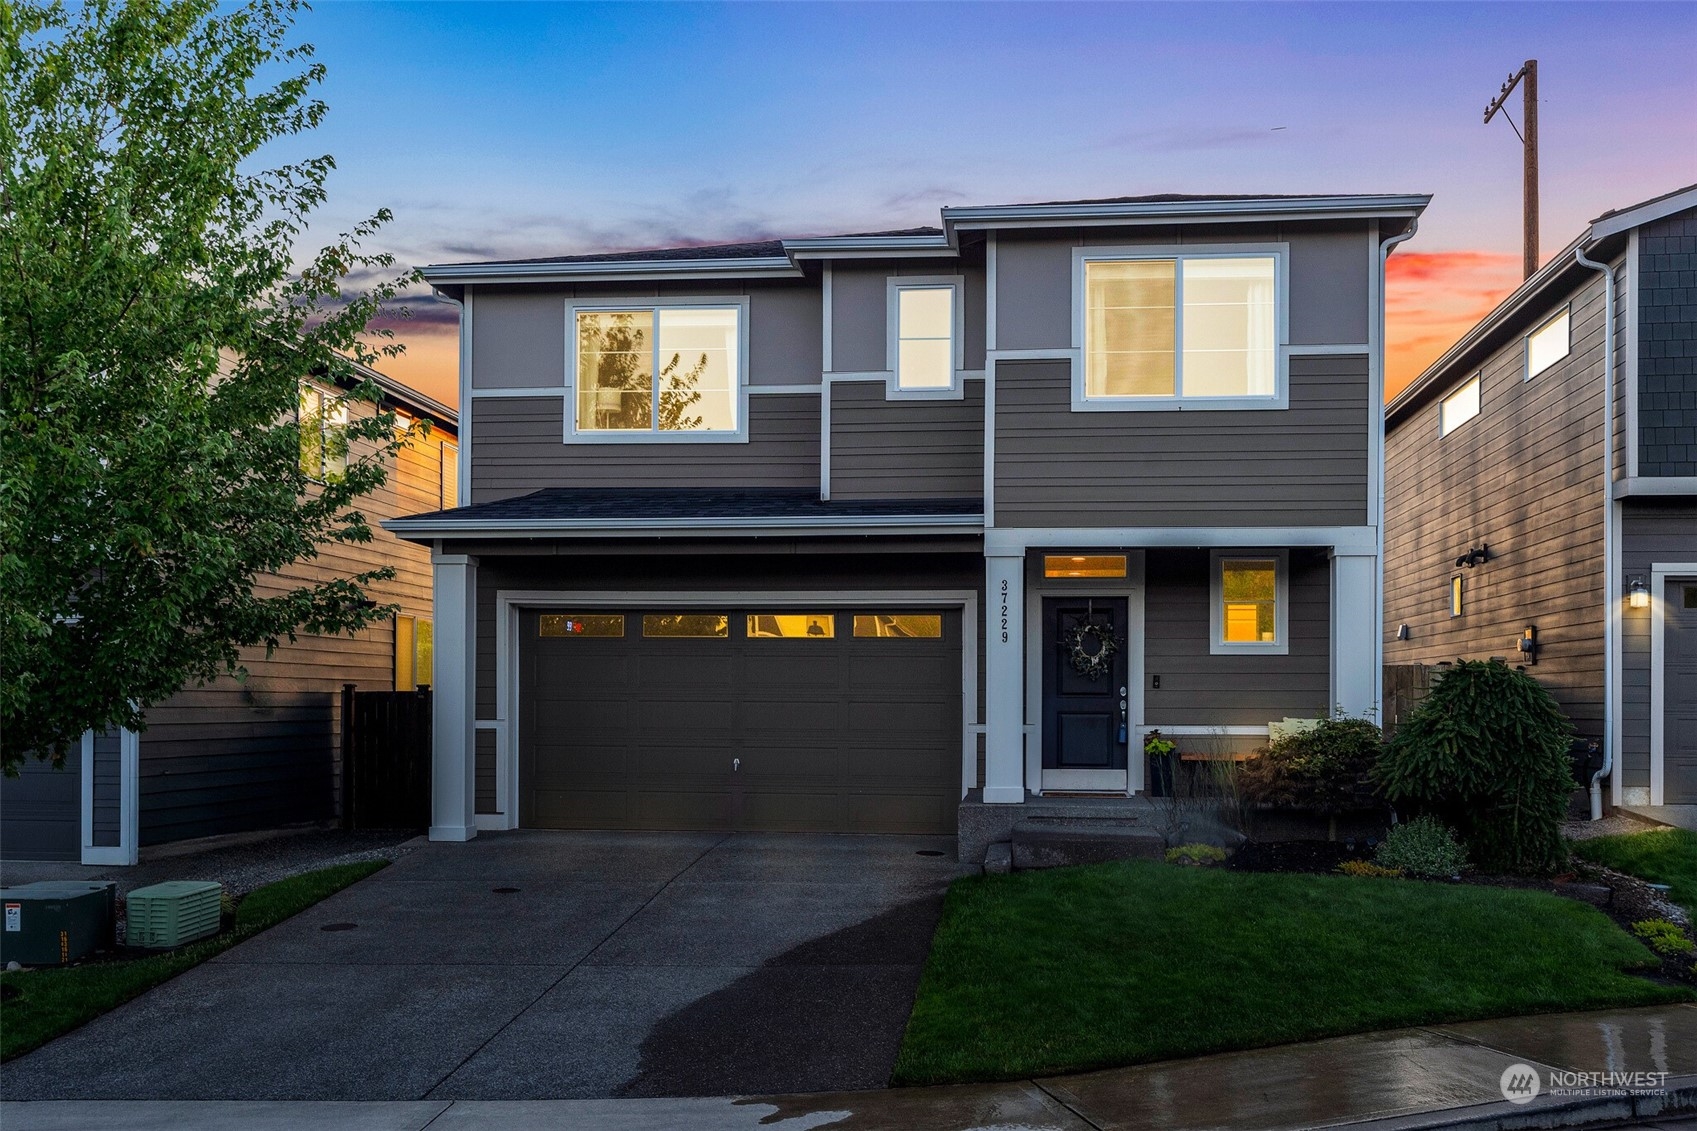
(1084, 722)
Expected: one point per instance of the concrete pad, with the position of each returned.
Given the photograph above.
(450, 921)
(623, 1115)
(234, 1031)
(535, 856)
(1343, 1080)
(1657, 1039)
(179, 1115)
(584, 1037)
(827, 858)
(1679, 816)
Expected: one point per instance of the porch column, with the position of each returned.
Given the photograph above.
(1355, 633)
(1004, 679)
(453, 790)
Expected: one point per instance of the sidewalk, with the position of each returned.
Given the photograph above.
(1445, 1076)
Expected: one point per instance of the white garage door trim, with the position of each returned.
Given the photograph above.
(509, 602)
(1660, 574)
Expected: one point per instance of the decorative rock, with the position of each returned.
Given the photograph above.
(998, 859)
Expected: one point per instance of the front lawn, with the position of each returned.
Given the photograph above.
(38, 1005)
(1662, 856)
(1038, 973)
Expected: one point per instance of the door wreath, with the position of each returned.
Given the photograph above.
(1091, 649)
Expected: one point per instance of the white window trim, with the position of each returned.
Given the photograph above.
(1526, 343)
(127, 850)
(739, 435)
(1280, 398)
(893, 286)
(1217, 643)
(1477, 379)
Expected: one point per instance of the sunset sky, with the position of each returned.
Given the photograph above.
(495, 130)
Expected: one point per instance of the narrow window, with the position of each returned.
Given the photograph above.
(450, 487)
(1455, 595)
(667, 369)
(414, 655)
(686, 624)
(925, 337)
(810, 626)
(1249, 603)
(1548, 344)
(1084, 565)
(1458, 408)
(581, 624)
(323, 422)
(1183, 327)
(925, 626)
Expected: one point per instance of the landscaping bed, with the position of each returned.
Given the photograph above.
(38, 1005)
(1045, 972)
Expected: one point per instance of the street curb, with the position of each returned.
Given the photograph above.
(1546, 1113)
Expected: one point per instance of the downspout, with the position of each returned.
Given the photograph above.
(1385, 250)
(1611, 558)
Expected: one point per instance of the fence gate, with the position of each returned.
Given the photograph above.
(1405, 686)
(385, 759)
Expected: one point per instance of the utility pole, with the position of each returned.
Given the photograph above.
(1527, 78)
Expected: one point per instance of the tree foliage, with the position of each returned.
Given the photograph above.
(1486, 751)
(156, 323)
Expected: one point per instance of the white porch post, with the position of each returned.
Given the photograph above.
(1355, 633)
(1004, 691)
(453, 793)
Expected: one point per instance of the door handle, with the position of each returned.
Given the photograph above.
(736, 764)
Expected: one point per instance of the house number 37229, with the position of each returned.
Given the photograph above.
(1004, 610)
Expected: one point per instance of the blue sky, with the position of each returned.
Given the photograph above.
(497, 130)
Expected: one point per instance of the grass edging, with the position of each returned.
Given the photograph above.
(1044, 973)
(1661, 856)
(50, 1002)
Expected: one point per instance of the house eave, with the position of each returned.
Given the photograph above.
(423, 530)
(762, 267)
(970, 218)
(879, 247)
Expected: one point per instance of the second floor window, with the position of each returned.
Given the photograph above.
(925, 337)
(1180, 327)
(666, 369)
(323, 420)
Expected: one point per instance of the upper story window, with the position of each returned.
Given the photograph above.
(323, 421)
(658, 370)
(924, 315)
(1548, 344)
(449, 494)
(1459, 407)
(1191, 329)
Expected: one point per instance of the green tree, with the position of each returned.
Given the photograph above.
(156, 324)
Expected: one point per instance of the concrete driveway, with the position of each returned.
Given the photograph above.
(545, 965)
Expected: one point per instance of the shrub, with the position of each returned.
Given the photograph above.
(1422, 847)
(1664, 937)
(1326, 767)
(1195, 854)
(1366, 868)
(1487, 752)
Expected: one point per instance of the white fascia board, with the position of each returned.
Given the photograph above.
(852, 247)
(1644, 213)
(1132, 212)
(682, 527)
(1341, 540)
(1640, 486)
(762, 267)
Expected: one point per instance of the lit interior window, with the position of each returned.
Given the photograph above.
(686, 624)
(812, 626)
(1249, 593)
(581, 624)
(1084, 565)
(928, 626)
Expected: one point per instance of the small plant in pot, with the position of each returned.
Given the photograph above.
(1160, 754)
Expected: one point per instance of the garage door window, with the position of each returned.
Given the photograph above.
(927, 626)
(686, 624)
(581, 624)
(810, 626)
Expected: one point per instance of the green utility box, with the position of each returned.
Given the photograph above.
(172, 913)
(56, 921)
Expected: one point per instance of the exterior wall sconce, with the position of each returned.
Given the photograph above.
(1402, 632)
(1527, 645)
(1476, 556)
(1637, 596)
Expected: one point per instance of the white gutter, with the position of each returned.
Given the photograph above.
(1385, 249)
(683, 527)
(1611, 541)
(770, 266)
(969, 217)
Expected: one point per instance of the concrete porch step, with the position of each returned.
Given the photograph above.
(1062, 841)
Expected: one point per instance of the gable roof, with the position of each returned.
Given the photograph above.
(1602, 239)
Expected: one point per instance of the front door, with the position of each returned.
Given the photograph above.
(1086, 727)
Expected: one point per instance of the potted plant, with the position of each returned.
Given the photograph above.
(1159, 751)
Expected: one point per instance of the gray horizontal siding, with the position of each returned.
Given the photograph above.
(484, 754)
(1199, 688)
(517, 447)
(1301, 466)
(1651, 531)
(1525, 476)
(41, 810)
(108, 785)
(884, 449)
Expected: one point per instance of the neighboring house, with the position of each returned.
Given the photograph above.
(1588, 546)
(827, 533)
(234, 756)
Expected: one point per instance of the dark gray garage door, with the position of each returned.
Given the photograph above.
(840, 719)
(1679, 695)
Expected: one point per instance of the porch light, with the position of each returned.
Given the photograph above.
(1637, 596)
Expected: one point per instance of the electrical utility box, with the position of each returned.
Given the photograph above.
(172, 913)
(55, 922)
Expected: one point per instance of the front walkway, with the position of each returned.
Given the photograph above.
(1442, 1076)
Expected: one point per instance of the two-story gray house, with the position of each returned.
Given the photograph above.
(842, 533)
(1543, 495)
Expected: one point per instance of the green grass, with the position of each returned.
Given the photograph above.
(52, 1002)
(1662, 856)
(1037, 973)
